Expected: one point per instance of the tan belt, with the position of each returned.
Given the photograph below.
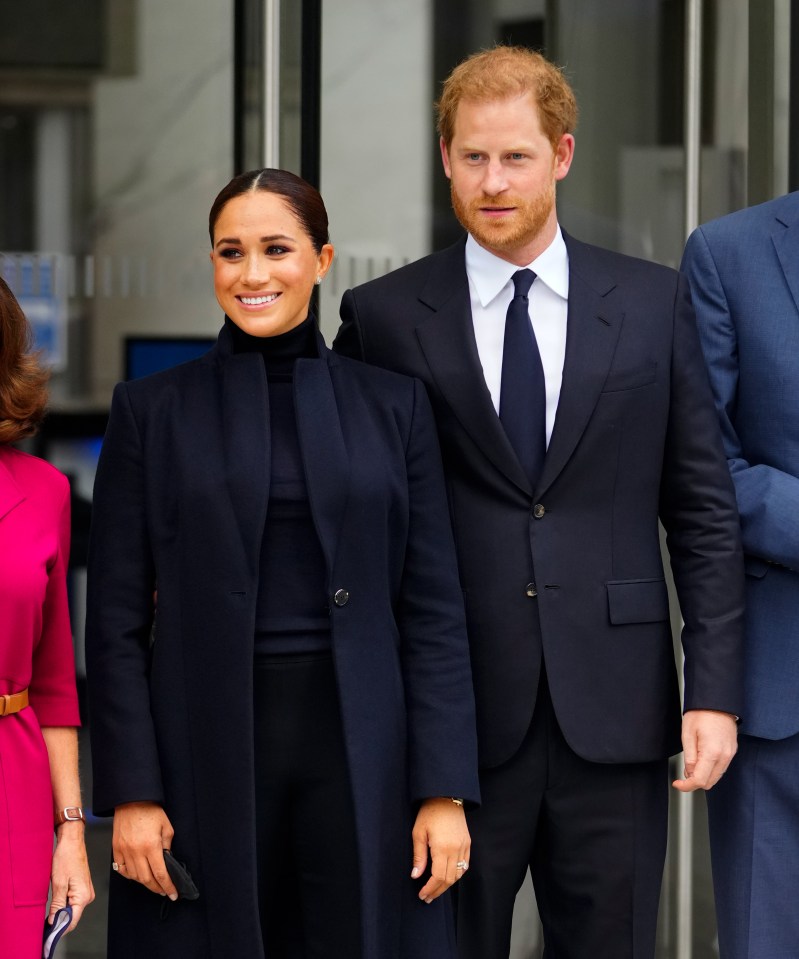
(13, 702)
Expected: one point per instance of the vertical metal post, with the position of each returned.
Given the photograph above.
(760, 152)
(272, 83)
(311, 97)
(693, 159)
(693, 111)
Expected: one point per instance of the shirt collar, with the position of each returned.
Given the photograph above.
(488, 273)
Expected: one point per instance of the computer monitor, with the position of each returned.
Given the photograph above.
(151, 354)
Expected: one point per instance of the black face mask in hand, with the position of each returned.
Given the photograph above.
(181, 877)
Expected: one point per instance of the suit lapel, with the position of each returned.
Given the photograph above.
(592, 333)
(324, 455)
(10, 493)
(447, 341)
(786, 243)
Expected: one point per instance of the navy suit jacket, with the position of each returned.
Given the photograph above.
(635, 438)
(744, 273)
(180, 502)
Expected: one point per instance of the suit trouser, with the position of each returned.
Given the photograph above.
(593, 837)
(754, 844)
(307, 864)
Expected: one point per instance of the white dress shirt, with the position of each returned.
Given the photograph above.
(491, 290)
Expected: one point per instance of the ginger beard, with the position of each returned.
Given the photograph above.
(506, 233)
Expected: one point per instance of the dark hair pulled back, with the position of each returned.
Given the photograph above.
(303, 199)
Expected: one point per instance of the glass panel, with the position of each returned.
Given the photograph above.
(625, 187)
(726, 110)
(109, 169)
(378, 143)
(162, 149)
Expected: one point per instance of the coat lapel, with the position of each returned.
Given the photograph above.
(786, 242)
(447, 341)
(324, 454)
(247, 445)
(592, 333)
(245, 426)
(10, 493)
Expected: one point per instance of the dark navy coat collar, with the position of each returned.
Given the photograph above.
(247, 449)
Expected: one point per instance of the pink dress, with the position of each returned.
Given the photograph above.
(36, 651)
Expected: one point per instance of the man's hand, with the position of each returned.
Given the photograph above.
(709, 741)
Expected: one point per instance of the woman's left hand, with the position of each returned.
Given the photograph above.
(70, 877)
(440, 826)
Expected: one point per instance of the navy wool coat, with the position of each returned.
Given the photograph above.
(180, 502)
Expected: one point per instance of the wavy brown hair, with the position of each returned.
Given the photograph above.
(23, 382)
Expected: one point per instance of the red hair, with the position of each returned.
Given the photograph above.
(505, 72)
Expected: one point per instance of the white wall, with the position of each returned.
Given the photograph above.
(163, 148)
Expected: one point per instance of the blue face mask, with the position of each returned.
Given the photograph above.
(52, 934)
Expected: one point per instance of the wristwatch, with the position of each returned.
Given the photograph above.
(69, 814)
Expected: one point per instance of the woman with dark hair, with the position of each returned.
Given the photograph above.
(293, 716)
(39, 787)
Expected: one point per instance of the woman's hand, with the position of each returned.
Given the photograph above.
(142, 831)
(69, 873)
(70, 877)
(441, 826)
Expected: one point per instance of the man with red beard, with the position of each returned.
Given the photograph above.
(574, 412)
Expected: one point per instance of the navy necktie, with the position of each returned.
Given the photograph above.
(522, 396)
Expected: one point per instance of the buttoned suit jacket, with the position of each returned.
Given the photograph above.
(635, 439)
(744, 273)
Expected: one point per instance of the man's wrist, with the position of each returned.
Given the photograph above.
(721, 712)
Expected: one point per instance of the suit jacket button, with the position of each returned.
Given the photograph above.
(538, 511)
(341, 597)
(531, 590)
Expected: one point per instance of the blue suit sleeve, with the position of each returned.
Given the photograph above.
(768, 498)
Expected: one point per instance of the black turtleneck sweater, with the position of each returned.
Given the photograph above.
(291, 611)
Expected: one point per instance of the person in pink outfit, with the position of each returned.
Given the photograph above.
(39, 786)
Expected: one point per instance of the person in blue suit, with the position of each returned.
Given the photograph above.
(744, 274)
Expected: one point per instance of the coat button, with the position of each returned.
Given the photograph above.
(538, 511)
(341, 597)
(531, 590)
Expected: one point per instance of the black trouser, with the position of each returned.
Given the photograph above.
(593, 837)
(309, 889)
